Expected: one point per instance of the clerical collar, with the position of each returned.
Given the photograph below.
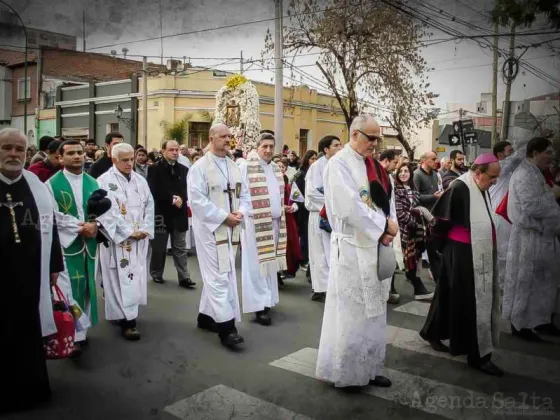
(69, 174)
(264, 162)
(171, 162)
(9, 181)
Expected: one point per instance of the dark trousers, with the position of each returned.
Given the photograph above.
(434, 259)
(178, 251)
(222, 328)
(304, 245)
(125, 324)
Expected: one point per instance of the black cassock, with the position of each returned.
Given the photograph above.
(23, 366)
(452, 313)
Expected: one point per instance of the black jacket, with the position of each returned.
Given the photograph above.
(449, 177)
(101, 166)
(165, 181)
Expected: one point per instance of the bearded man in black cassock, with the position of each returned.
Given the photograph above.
(465, 308)
(31, 258)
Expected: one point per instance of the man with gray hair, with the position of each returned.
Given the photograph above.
(31, 258)
(123, 264)
(364, 222)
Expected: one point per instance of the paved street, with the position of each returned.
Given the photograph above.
(178, 371)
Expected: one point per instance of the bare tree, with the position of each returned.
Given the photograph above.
(368, 51)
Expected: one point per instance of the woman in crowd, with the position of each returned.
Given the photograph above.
(293, 251)
(412, 228)
(302, 216)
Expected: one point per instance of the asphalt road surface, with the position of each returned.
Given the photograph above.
(177, 371)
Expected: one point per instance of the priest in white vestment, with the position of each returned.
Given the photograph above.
(215, 190)
(263, 236)
(353, 336)
(71, 190)
(123, 265)
(319, 239)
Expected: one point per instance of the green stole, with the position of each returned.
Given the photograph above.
(80, 255)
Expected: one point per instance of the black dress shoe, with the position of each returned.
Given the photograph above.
(232, 340)
(526, 334)
(488, 367)
(548, 329)
(264, 319)
(438, 346)
(158, 280)
(381, 381)
(319, 297)
(186, 283)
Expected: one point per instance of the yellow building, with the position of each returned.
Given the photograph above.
(308, 115)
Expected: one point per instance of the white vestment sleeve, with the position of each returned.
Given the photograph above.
(204, 210)
(344, 202)
(314, 199)
(245, 203)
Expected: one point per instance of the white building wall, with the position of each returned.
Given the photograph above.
(18, 122)
(5, 93)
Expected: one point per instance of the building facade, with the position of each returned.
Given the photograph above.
(308, 115)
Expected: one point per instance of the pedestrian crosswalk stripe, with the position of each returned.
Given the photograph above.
(422, 308)
(445, 400)
(535, 367)
(221, 402)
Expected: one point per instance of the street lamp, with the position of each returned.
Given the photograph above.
(24, 66)
(126, 121)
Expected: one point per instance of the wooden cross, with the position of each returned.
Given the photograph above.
(11, 205)
(229, 191)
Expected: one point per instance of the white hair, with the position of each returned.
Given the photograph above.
(121, 148)
(9, 132)
(360, 121)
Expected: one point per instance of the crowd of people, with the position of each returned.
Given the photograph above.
(349, 216)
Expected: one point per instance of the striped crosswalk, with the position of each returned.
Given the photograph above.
(463, 400)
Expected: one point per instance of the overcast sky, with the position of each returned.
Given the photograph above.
(462, 70)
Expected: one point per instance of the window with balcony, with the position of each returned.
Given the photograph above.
(21, 89)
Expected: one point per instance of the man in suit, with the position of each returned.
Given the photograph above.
(168, 183)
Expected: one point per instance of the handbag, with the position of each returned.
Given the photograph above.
(61, 344)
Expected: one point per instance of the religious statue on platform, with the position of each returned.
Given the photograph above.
(237, 106)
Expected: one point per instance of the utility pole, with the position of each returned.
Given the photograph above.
(241, 65)
(495, 88)
(509, 81)
(145, 102)
(161, 31)
(84, 30)
(278, 79)
(461, 137)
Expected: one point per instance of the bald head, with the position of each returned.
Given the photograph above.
(428, 161)
(13, 145)
(365, 133)
(220, 140)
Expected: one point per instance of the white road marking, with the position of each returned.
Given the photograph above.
(224, 403)
(420, 308)
(535, 367)
(449, 401)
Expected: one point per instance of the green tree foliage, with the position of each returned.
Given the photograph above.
(177, 130)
